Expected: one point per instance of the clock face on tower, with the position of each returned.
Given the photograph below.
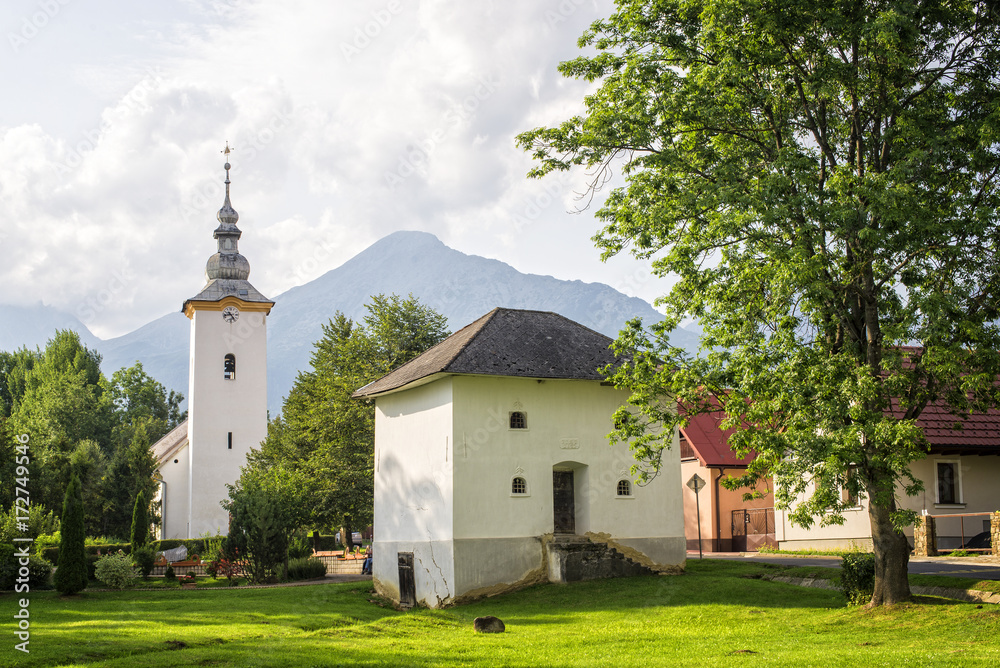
(230, 314)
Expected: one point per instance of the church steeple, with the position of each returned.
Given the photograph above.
(227, 270)
(227, 263)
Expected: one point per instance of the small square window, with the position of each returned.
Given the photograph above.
(518, 420)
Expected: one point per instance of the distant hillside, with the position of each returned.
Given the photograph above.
(462, 287)
(33, 326)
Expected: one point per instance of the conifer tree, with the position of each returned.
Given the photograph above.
(140, 522)
(71, 575)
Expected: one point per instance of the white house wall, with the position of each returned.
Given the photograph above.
(219, 406)
(413, 491)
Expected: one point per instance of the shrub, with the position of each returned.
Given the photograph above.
(306, 569)
(191, 574)
(213, 546)
(169, 573)
(116, 570)
(299, 547)
(857, 577)
(144, 558)
(39, 570)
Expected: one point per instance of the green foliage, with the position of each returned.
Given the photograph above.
(212, 546)
(263, 515)
(857, 578)
(39, 570)
(299, 547)
(144, 558)
(71, 575)
(306, 569)
(323, 433)
(78, 421)
(821, 181)
(39, 520)
(116, 570)
(169, 573)
(140, 521)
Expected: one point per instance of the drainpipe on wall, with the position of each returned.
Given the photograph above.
(718, 519)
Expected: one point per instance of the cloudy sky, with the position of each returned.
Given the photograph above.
(350, 120)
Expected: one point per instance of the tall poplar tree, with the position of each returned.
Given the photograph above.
(821, 180)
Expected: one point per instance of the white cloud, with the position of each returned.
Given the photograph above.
(350, 121)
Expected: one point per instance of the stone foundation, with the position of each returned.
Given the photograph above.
(995, 533)
(924, 537)
(573, 558)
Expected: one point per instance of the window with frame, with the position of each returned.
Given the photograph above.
(846, 495)
(948, 492)
(518, 486)
(518, 420)
(624, 488)
(229, 367)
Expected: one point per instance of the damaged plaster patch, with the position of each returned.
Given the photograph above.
(635, 555)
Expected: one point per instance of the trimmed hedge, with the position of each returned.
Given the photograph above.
(194, 546)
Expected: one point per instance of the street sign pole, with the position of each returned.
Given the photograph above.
(696, 483)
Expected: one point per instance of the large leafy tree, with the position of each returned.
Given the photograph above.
(78, 421)
(821, 179)
(326, 434)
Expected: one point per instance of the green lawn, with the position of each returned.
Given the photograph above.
(718, 614)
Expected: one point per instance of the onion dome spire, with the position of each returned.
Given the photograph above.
(227, 263)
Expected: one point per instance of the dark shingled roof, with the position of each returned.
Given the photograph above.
(508, 342)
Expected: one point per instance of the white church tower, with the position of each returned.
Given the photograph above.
(227, 391)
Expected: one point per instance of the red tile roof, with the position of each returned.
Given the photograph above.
(710, 443)
(948, 433)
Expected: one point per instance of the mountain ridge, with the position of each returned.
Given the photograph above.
(462, 287)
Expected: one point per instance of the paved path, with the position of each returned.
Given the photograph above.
(982, 568)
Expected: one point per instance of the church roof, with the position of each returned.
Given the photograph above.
(508, 342)
(217, 288)
(174, 441)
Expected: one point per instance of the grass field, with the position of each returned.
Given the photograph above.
(717, 614)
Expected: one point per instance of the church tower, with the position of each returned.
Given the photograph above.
(227, 391)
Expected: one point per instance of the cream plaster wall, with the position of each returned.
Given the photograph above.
(218, 406)
(174, 495)
(980, 490)
(568, 422)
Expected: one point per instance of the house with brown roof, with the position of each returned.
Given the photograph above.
(961, 476)
(493, 468)
(718, 517)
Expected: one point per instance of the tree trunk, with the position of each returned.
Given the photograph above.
(892, 557)
(346, 537)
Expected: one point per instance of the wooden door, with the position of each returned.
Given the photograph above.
(407, 585)
(563, 503)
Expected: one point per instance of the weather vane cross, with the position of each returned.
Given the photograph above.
(228, 150)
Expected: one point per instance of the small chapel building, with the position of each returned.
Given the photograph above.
(493, 468)
(227, 391)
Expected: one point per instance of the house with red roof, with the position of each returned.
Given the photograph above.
(717, 517)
